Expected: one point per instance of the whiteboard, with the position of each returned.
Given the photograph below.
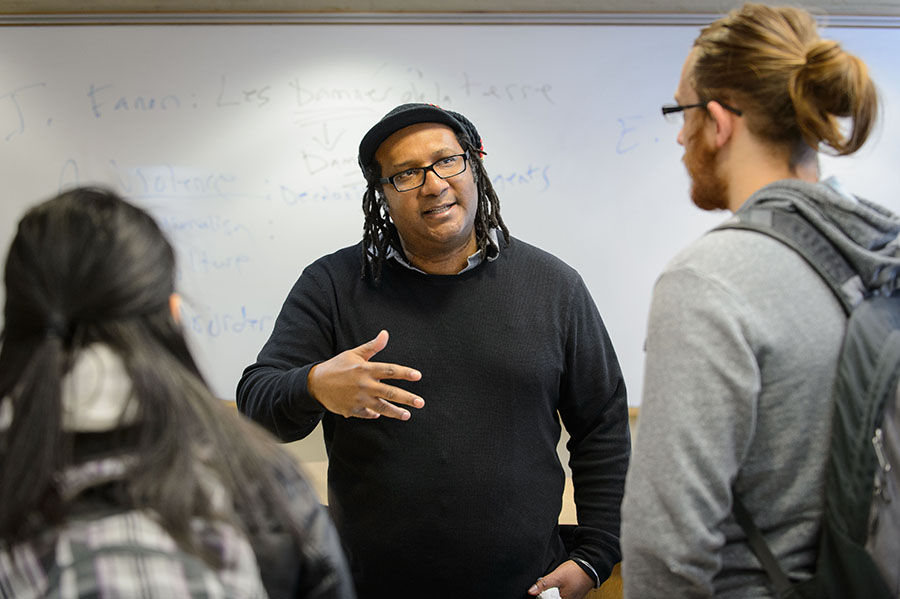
(241, 140)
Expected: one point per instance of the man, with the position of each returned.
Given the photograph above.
(443, 475)
(743, 335)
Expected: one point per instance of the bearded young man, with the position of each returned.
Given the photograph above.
(743, 335)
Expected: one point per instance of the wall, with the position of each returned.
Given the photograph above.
(242, 140)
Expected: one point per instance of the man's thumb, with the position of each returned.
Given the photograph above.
(370, 348)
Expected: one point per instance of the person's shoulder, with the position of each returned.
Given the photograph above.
(298, 494)
(289, 475)
(744, 264)
(334, 265)
(534, 256)
(345, 255)
(337, 269)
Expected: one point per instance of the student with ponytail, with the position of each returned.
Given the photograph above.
(744, 334)
(120, 474)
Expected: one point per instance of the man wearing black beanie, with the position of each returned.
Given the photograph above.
(493, 342)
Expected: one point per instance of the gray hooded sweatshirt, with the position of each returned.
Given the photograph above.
(742, 343)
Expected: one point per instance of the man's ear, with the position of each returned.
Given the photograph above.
(175, 307)
(724, 120)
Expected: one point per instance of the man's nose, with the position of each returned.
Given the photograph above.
(433, 185)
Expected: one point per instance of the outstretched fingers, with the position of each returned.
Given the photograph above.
(352, 385)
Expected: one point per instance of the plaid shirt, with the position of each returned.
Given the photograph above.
(104, 551)
(110, 554)
(127, 555)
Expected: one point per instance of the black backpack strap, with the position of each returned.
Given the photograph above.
(785, 224)
(761, 550)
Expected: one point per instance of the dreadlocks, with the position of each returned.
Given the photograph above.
(379, 233)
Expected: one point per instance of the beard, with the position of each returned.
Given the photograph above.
(709, 190)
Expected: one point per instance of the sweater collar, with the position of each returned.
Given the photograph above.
(491, 254)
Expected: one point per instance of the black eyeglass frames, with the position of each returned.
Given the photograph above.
(413, 178)
(673, 112)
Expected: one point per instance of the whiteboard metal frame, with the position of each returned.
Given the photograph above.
(396, 18)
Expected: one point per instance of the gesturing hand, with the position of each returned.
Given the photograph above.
(350, 385)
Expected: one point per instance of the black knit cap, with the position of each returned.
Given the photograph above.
(412, 114)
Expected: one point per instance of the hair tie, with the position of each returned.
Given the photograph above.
(820, 52)
(56, 326)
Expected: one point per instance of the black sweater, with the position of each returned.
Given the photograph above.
(463, 499)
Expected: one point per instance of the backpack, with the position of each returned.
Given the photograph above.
(858, 553)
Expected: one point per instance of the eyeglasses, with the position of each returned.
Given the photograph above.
(675, 113)
(413, 178)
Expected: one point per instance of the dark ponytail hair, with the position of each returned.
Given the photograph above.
(89, 268)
